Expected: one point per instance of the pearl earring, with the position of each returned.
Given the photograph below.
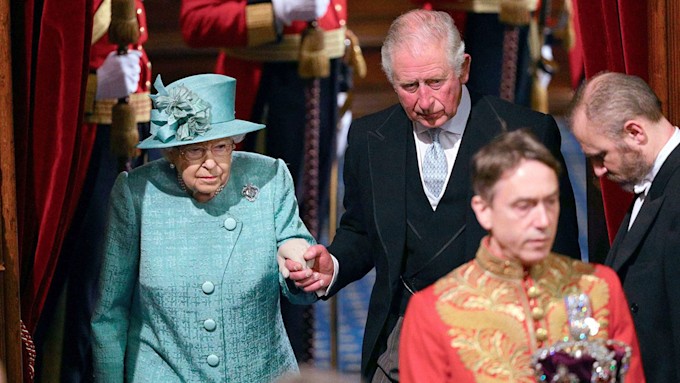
(172, 166)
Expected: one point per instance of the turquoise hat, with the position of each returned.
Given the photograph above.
(194, 109)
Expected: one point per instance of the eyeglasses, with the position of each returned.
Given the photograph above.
(195, 153)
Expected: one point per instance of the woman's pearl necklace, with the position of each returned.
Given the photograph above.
(219, 190)
(183, 186)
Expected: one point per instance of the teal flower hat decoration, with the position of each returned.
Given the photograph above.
(179, 112)
(194, 109)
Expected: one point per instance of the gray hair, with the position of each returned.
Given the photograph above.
(610, 99)
(418, 29)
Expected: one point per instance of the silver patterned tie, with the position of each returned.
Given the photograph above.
(434, 164)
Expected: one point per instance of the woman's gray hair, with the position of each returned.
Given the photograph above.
(419, 29)
(238, 138)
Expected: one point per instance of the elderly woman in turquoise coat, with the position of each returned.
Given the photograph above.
(190, 281)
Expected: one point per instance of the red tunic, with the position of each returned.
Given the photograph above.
(233, 24)
(484, 320)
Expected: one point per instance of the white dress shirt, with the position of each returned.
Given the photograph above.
(452, 132)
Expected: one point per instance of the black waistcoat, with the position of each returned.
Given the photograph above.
(435, 243)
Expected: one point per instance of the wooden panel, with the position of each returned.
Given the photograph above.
(673, 60)
(657, 49)
(664, 54)
(10, 340)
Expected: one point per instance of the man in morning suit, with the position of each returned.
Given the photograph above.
(618, 121)
(407, 191)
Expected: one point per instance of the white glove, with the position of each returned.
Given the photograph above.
(293, 249)
(287, 11)
(118, 76)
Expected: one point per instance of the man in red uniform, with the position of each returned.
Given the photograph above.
(483, 321)
(261, 47)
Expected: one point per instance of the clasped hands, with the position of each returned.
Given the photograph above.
(310, 269)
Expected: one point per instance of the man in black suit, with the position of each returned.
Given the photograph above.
(618, 121)
(412, 224)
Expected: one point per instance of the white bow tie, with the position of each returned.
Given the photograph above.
(642, 188)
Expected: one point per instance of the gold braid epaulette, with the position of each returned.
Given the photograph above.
(99, 111)
(288, 49)
(101, 21)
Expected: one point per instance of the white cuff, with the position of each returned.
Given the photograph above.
(336, 267)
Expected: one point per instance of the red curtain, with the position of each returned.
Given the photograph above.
(613, 37)
(52, 41)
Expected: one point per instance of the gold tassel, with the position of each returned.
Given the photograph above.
(539, 96)
(567, 34)
(124, 29)
(313, 61)
(356, 57)
(124, 134)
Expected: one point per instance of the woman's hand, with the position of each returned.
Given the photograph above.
(318, 276)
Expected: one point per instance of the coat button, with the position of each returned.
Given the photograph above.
(541, 334)
(634, 308)
(208, 287)
(533, 292)
(209, 325)
(537, 313)
(230, 224)
(213, 360)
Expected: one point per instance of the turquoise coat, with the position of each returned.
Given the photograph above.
(189, 291)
